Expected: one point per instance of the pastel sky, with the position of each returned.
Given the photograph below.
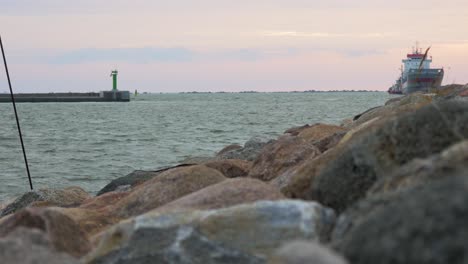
(225, 45)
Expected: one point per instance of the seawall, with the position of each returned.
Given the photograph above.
(103, 96)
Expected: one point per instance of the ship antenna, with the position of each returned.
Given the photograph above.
(16, 114)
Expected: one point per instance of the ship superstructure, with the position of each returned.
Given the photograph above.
(417, 75)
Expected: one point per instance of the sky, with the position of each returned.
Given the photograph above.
(225, 45)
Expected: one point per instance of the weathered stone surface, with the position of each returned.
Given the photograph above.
(104, 200)
(301, 252)
(194, 160)
(71, 196)
(281, 155)
(246, 233)
(166, 187)
(225, 194)
(414, 135)
(297, 181)
(329, 142)
(395, 107)
(319, 132)
(30, 246)
(453, 92)
(92, 221)
(250, 150)
(231, 168)
(63, 233)
(449, 162)
(99, 213)
(294, 131)
(228, 149)
(134, 178)
(358, 212)
(426, 224)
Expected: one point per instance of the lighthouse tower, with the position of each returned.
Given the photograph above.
(114, 80)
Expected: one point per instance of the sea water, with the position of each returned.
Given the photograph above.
(89, 144)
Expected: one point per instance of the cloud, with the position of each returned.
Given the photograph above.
(177, 55)
(324, 34)
(152, 54)
(132, 55)
(300, 34)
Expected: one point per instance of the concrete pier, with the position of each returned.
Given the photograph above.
(103, 96)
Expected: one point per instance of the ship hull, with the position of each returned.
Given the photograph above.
(426, 81)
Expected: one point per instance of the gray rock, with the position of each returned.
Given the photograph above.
(357, 213)
(228, 149)
(134, 178)
(425, 224)
(300, 252)
(380, 152)
(21, 202)
(394, 107)
(247, 233)
(250, 150)
(68, 197)
(294, 131)
(194, 160)
(449, 162)
(30, 246)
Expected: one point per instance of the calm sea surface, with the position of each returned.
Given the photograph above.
(89, 144)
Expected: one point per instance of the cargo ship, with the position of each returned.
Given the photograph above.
(417, 75)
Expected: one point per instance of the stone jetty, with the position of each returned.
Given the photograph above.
(389, 185)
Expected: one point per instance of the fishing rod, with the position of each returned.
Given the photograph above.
(16, 114)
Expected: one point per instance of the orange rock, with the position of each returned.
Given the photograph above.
(168, 186)
(319, 131)
(224, 194)
(281, 155)
(63, 232)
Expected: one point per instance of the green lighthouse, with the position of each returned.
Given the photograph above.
(114, 79)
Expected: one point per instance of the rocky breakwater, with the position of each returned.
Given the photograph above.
(389, 185)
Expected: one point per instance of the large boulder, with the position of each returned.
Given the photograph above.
(68, 197)
(250, 150)
(247, 233)
(294, 131)
(297, 181)
(281, 155)
(133, 179)
(453, 91)
(30, 246)
(301, 252)
(425, 224)
(231, 168)
(63, 233)
(330, 141)
(449, 162)
(394, 107)
(398, 141)
(168, 186)
(97, 214)
(228, 148)
(318, 132)
(225, 194)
